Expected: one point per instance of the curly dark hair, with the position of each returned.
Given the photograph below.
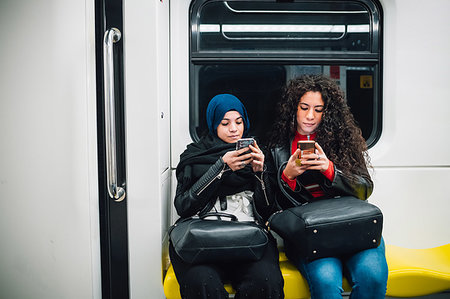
(337, 133)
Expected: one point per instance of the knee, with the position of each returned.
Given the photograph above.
(263, 285)
(327, 276)
(370, 271)
(371, 280)
(325, 281)
(201, 282)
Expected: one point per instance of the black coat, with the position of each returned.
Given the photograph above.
(203, 177)
(359, 185)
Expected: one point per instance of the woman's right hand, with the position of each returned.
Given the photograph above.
(294, 166)
(236, 160)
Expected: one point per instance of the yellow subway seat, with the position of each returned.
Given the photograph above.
(417, 272)
(412, 272)
(172, 288)
(295, 285)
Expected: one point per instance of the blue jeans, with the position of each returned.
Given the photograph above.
(366, 271)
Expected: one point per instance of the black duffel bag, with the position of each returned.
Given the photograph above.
(329, 227)
(200, 240)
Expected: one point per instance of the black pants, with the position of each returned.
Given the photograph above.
(258, 280)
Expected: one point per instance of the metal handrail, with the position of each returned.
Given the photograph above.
(116, 192)
(343, 33)
(271, 11)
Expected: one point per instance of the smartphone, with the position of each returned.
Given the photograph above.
(306, 147)
(244, 142)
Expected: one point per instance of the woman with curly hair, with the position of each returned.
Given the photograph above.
(314, 108)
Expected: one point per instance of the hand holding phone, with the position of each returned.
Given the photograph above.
(306, 147)
(257, 157)
(236, 159)
(244, 142)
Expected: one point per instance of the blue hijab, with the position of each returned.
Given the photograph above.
(219, 106)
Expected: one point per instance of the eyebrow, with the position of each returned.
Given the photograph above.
(230, 119)
(308, 105)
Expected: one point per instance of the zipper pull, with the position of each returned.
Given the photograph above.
(219, 176)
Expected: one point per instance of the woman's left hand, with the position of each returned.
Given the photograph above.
(317, 161)
(258, 158)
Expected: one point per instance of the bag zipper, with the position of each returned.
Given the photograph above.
(219, 176)
(270, 218)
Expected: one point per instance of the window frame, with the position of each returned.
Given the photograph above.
(374, 58)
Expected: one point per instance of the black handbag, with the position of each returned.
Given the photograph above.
(329, 227)
(200, 240)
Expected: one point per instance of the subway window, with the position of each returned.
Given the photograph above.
(253, 48)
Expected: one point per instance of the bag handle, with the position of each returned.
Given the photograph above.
(218, 215)
(203, 216)
(288, 196)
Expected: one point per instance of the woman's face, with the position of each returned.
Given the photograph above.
(231, 127)
(309, 112)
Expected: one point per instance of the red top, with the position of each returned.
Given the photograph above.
(315, 190)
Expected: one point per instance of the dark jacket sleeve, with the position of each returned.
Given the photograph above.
(358, 185)
(199, 195)
(284, 195)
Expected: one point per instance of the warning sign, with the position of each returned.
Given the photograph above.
(365, 81)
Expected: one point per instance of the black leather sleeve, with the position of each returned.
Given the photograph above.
(299, 194)
(276, 162)
(194, 199)
(358, 185)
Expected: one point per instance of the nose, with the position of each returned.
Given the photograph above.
(233, 127)
(310, 113)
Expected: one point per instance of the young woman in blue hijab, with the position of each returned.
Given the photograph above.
(213, 176)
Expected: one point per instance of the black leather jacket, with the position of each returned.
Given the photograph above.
(202, 195)
(360, 186)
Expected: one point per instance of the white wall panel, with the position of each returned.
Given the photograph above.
(163, 78)
(146, 25)
(179, 66)
(415, 203)
(415, 81)
(411, 158)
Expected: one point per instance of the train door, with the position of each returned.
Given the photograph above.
(135, 100)
(113, 198)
